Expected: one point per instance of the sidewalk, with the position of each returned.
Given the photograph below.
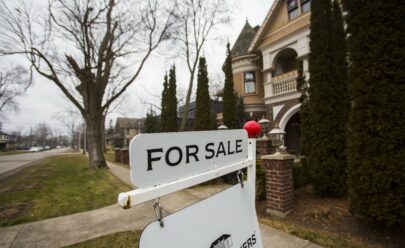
(75, 228)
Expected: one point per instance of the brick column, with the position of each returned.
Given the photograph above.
(124, 156)
(117, 152)
(263, 146)
(279, 183)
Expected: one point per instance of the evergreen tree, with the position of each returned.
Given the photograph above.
(229, 95)
(377, 127)
(326, 112)
(202, 120)
(341, 97)
(151, 124)
(305, 128)
(110, 129)
(164, 119)
(239, 112)
(172, 102)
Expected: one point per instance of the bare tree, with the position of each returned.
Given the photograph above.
(180, 95)
(43, 134)
(13, 83)
(92, 50)
(216, 85)
(70, 119)
(197, 19)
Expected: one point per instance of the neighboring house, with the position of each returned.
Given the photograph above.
(216, 108)
(125, 129)
(265, 66)
(4, 141)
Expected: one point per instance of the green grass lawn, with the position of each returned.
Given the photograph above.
(58, 186)
(122, 239)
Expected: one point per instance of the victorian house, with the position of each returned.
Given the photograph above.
(265, 66)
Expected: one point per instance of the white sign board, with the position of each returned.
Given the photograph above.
(227, 219)
(164, 157)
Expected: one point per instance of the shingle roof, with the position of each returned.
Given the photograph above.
(244, 39)
(131, 123)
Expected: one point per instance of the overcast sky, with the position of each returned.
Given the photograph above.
(43, 99)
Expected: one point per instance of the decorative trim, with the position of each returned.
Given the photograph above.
(266, 20)
(283, 97)
(244, 57)
(276, 110)
(286, 117)
(255, 108)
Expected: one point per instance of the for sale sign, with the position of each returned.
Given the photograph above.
(227, 219)
(164, 157)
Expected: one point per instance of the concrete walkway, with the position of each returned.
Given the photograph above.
(75, 228)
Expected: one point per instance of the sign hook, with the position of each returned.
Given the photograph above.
(158, 211)
(240, 175)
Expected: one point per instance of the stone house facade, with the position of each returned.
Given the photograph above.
(265, 65)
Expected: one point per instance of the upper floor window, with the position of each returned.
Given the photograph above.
(293, 10)
(305, 5)
(249, 82)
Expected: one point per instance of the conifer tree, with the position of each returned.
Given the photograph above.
(172, 102)
(239, 112)
(377, 127)
(151, 124)
(202, 120)
(327, 112)
(305, 129)
(164, 119)
(229, 95)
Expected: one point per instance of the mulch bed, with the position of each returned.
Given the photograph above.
(14, 210)
(332, 215)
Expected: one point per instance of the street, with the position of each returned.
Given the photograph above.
(11, 162)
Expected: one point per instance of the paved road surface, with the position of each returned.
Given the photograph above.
(11, 162)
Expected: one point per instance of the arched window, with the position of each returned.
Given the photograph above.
(285, 61)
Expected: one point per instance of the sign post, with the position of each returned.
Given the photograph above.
(164, 163)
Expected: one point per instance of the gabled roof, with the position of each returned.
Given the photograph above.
(243, 41)
(266, 21)
(130, 123)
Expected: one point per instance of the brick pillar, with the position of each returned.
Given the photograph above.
(279, 183)
(125, 156)
(263, 147)
(117, 155)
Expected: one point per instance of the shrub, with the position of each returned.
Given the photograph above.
(260, 182)
(300, 175)
(377, 130)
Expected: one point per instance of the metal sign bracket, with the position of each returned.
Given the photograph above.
(158, 211)
(240, 175)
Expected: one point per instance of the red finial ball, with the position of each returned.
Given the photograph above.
(253, 129)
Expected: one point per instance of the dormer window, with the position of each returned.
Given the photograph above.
(249, 82)
(305, 5)
(293, 9)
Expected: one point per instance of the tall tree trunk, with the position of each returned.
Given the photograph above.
(187, 103)
(95, 134)
(190, 90)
